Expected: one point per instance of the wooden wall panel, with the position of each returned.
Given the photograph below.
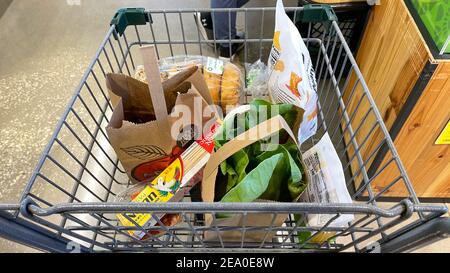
(427, 164)
(391, 57)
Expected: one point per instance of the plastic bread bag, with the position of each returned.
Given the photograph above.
(171, 65)
(224, 79)
(291, 74)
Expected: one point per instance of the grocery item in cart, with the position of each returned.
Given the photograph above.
(256, 80)
(224, 79)
(170, 186)
(327, 184)
(291, 74)
(148, 148)
(140, 193)
(134, 96)
(283, 180)
(252, 167)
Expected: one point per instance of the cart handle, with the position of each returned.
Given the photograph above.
(405, 208)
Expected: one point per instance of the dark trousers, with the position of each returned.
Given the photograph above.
(225, 22)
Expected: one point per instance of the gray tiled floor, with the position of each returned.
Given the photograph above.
(44, 48)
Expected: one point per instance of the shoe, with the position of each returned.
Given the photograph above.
(206, 20)
(224, 51)
(205, 25)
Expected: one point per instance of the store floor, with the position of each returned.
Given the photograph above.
(45, 46)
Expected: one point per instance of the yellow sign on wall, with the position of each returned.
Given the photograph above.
(444, 137)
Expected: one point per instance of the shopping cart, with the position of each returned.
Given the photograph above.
(69, 202)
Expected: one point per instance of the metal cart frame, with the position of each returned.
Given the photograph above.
(68, 204)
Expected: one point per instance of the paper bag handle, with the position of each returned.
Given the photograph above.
(155, 87)
(245, 139)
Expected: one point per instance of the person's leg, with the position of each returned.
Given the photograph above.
(225, 25)
(224, 22)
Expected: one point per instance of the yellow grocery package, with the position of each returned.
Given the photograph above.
(169, 186)
(291, 74)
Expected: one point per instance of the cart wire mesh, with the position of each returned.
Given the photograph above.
(72, 191)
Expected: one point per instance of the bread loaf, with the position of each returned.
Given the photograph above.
(230, 86)
(213, 81)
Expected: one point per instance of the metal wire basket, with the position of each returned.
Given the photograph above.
(69, 201)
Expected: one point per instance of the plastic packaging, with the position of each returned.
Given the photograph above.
(129, 195)
(291, 74)
(224, 79)
(256, 80)
(327, 184)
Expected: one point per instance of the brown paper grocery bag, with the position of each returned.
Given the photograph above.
(247, 138)
(134, 95)
(145, 149)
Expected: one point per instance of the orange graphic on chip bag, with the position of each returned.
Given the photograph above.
(293, 84)
(276, 40)
(279, 66)
(313, 114)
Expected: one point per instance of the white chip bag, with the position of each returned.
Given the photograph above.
(291, 74)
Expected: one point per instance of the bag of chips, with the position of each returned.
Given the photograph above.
(291, 73)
